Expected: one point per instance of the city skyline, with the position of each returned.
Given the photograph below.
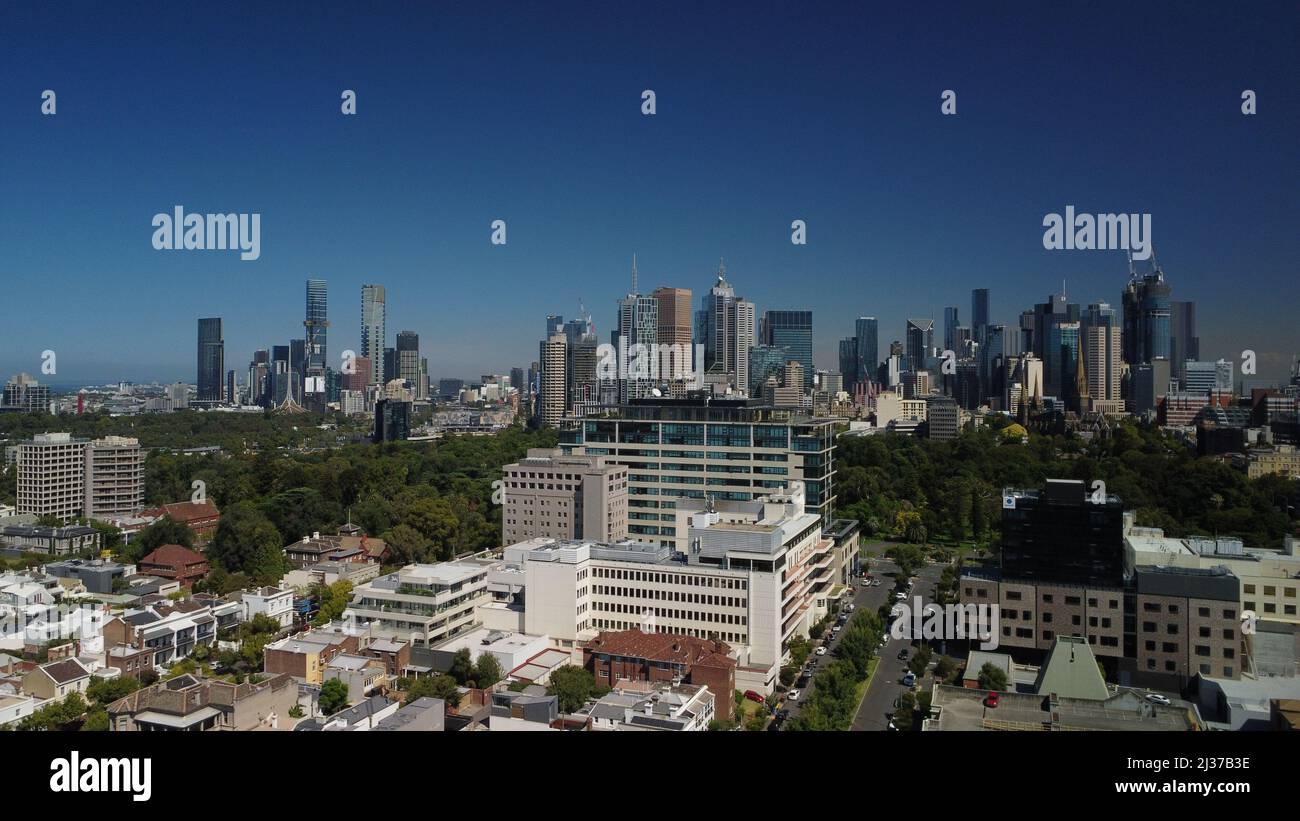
(844, 134)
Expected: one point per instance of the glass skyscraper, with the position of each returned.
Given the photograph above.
(212, 360)
(791, 330)
(374, 330)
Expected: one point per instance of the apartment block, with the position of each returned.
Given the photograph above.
(114, 477)
(423, 603)
(549, 493)
(61, 476)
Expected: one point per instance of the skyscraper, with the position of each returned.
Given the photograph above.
(920, 340)
(791, 330)
(316, 323)
(1102, 352)
(638, 324)
(674, 315)
(1148, 318)
(212, 360)
(552, 359)
(408, 358)
(1185, 344)
(849, 362)
(374, 329)
(725, 323)
(867, 333)
(950, 323)
(979, 313)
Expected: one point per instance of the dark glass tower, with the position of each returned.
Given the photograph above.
(212, 360)
(1059, 534)
(791, 330)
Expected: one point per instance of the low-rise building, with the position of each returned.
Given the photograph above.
(659, 706)
(177, 563)
(201, 518)
(635, 655)
(56, 679)
(423, 603)
(53, 541)
(274, 603)
(193, 703)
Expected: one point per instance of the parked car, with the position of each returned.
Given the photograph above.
(754, 696)
(991, 700)
(909, 679)
(875, 583)
(821, 650)
(793, 695)
(902, 654)
(884, 639)
(849, 607)
(1156, 698)
(867, 582)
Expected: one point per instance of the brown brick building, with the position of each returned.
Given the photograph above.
(633, 655)
(173, 561)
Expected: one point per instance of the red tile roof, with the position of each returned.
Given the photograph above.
(670, 647)
(184, 512)
(173, 555)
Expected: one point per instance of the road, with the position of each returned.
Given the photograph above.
(878, 704)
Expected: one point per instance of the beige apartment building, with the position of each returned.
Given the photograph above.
(70, 478)
(551, 494)
(423, 603)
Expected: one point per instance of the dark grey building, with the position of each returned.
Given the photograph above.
(212, 360)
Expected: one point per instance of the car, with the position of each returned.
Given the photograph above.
(1156, 698)
(902, 654)
(821, 651)
(849, 607)
(899, 596)
(754, 696)
(837, 628)
(875, 582)
(991, 700)
(867, 582)
(793, 695)
(802, 682)
(893, 727)
(884, 638)
(909, 679)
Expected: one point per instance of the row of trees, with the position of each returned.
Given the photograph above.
(835, 695)
(918, 489)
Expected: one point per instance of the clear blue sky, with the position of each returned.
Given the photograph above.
(531, 113)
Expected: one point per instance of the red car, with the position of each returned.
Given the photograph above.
(991, 700)
(753, 696)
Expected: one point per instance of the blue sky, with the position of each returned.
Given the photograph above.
(531, 113)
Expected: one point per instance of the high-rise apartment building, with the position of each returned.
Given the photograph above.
(212, 360)
(867, 333)
(114, 477)
(66, 477)
(374, 329)
(550, 493)
(1184, 345)
(552, 357)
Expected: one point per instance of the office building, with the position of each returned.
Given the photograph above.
(791, 330)
(374, 330)
(681, 452)
(950, 323)
(943, 418)
(408, 358)
(675, 321)
(23, 394)
(1184, 344)
(550, 493)
(920, 343)
(212, 361)
(392, 420)
(867, 334)
(752, 579)
(1207, 377)
(1103, 352)
(979, 313)
(1061, 533)
(766, 362)
(1148, 319)
(725, 324)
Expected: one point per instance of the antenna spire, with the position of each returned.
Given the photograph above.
(634, 290)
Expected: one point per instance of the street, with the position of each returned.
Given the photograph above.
(878, 705)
